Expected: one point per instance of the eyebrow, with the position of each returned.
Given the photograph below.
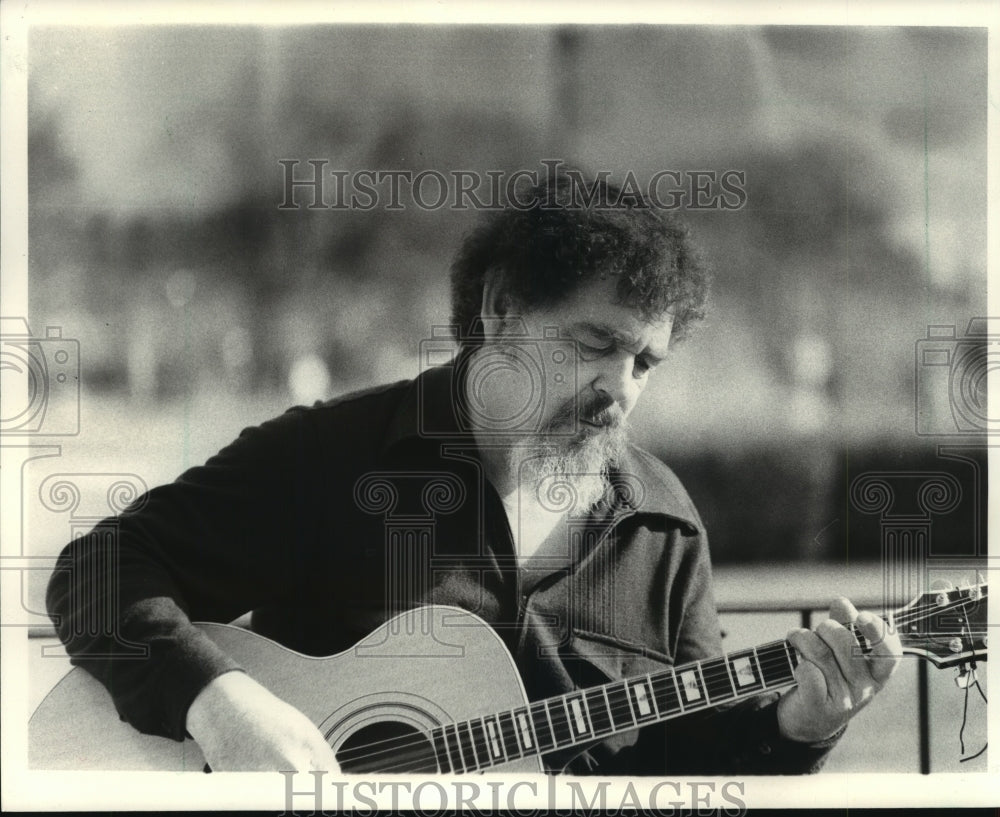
(622, 339)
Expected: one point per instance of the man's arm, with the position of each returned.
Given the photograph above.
(224, 538)
(241, 726)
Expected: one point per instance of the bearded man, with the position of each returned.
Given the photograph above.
(501, 481)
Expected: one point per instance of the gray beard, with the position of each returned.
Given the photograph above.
(568, 475)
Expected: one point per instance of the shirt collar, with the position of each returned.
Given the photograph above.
(427, 413)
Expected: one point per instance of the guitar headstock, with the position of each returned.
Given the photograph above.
(947, 627)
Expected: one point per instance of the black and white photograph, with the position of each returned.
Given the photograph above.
(497, 408)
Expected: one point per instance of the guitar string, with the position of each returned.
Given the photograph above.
(406, 752)
(719, 673)
(620, 715)
(920, 612)
(965, 713)
(965, 709)
(425, 751)
(711, 675)
(716, 673)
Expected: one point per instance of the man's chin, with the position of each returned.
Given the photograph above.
(581, 462)
(590, 447)
(586, 432)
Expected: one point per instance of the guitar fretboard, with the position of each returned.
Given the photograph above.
(591, 714)
(599, 712)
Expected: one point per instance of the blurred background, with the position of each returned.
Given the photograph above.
(157, 240)
(200, 306)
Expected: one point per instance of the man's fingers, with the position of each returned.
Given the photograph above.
(323, 764)
(886, 646)
(811, 680)
(326, 762)
(843, 643)
(860, 671)
(842, 611)
(816, 651)
(852, 663)
(316, 752)
(810, 646)
(835, 678)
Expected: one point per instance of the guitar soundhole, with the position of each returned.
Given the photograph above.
(387, 747)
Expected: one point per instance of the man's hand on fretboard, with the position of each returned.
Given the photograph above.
(836, 677)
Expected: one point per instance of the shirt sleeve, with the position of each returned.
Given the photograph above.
(222, 539)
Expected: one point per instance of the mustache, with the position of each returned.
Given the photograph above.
(600, 410)
(603, 412)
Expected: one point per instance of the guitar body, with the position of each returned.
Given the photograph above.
(420, 670)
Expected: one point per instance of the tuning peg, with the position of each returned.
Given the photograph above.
(965, 678)
(972, 592)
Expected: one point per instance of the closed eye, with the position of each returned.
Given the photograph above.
(644, 365)
(590, 352)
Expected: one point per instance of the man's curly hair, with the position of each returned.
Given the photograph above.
(555, 240)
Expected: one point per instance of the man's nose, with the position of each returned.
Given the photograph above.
(614, 378)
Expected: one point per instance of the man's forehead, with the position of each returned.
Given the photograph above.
(603, 299)
(597, 307)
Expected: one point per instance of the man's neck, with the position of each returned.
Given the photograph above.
(531, 522)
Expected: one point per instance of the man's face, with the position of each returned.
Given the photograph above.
(595, 357)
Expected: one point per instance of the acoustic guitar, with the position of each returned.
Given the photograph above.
(409, 697)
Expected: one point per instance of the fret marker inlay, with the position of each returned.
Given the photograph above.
(525, 732)
(581, 724)
(494, 743)
(744, 672)
(641, 700)
(689, 680)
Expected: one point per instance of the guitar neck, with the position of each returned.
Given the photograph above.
(598, 712)
(945, 627)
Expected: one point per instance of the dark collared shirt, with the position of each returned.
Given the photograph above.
(328, 520)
